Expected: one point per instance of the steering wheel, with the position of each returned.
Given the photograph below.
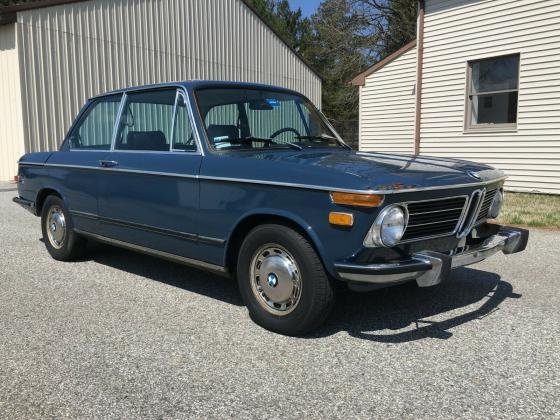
(285, 130)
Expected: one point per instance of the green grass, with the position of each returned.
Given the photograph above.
(533, 210)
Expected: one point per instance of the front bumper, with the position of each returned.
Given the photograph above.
(430, 268)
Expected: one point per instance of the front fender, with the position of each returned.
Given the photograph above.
(293, 218)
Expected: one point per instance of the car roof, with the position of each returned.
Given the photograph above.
(199, 84)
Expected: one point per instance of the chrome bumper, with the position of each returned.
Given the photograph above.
(26, 204)
(430, 268)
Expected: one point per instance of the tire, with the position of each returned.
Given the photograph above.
(282, 281)
(58, 231)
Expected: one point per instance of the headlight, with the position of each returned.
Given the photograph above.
(496, 206)
(388, 228)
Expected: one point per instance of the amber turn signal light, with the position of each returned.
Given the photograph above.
(356, 199)
(341, 219)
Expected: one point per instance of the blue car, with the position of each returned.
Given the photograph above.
(251, 181)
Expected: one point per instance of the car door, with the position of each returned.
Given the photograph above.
(149, 195)
(74, 169)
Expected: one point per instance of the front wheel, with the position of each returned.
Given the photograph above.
(282, 280)
(58, 231)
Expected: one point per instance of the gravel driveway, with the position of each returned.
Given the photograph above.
(125, 335)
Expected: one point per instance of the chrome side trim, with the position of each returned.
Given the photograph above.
(325, 188)
(152, 229)
(31, 164)
(284, 184)
(165, 255)
(113, 169)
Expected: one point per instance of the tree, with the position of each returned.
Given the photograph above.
(337, 49)
(392, 21)
(289, 24)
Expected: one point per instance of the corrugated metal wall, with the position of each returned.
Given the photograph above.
(387, 104)
(460, 30)
(11, 125)
(71, 52)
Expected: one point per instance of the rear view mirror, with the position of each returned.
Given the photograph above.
(260, 105)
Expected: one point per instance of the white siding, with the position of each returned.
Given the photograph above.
(457, 31)
(11, 127)
(387, 103)
(71, 52)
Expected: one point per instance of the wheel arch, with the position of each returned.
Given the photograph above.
(42, 196)
(270, 216)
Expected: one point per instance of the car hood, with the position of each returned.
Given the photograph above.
(365, 170)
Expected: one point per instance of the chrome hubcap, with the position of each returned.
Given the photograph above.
(275, 279)
(56, 227)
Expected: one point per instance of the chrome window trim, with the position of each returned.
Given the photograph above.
(173, 121)
(180, 90)
(118, 121)
(198, 151)
(198, 140)
(289, 184)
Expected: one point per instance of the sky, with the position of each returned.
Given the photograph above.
(308, 7)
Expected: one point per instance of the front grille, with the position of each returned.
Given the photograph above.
(486, 203)
(433, 217)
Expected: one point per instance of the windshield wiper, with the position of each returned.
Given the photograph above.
(324, 138)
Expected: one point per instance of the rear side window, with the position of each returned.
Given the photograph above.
(94, 130)
(147, 121)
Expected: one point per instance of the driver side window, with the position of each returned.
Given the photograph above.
(94, 131)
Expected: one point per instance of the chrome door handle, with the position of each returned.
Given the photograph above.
(108, 163)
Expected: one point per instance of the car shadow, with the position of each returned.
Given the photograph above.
(401, 314)
(392, 315)
(170, 273)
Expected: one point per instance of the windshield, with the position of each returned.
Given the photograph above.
(261, 118)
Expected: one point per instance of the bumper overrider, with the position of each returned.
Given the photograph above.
(429, 268)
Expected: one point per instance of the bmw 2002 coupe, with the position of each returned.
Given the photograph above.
(251, 181)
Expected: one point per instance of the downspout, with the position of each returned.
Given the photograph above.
(419, 65)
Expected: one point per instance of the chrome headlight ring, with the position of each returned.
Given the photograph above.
(497, 204)
(378, 235)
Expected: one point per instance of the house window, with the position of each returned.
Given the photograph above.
(492, 92)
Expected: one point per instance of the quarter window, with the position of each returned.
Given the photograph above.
(94, 131)
(493, 88)
(183, 135)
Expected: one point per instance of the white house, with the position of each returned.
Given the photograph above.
(56, 53)
(481, 82)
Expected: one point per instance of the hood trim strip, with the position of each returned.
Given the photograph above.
(273, 183)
